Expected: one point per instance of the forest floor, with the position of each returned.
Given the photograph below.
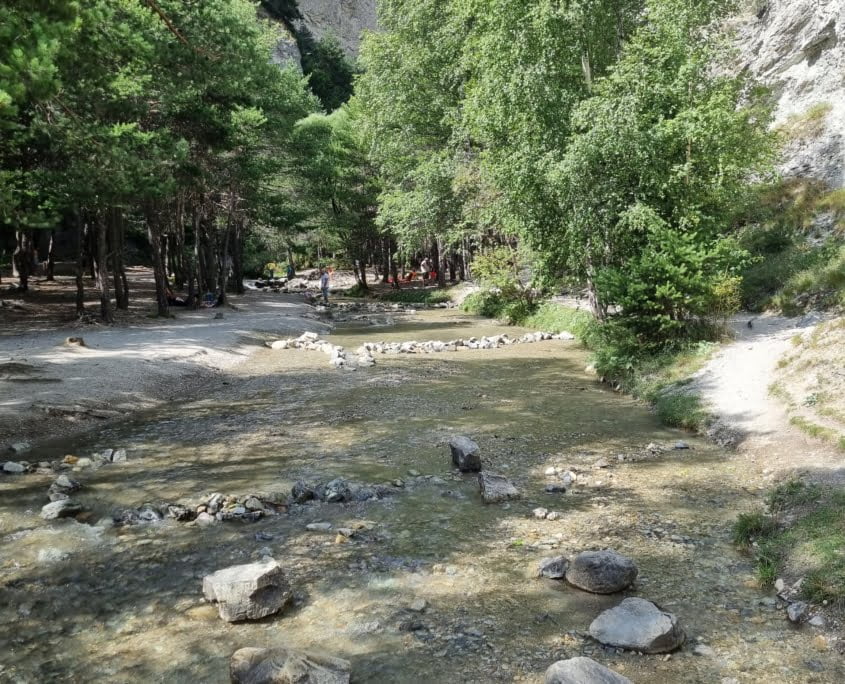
(51, 388)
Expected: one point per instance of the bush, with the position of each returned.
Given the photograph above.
(417, 296)
(555, 318)
(682, 411)
(484, 303)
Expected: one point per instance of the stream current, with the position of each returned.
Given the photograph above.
(435, 586)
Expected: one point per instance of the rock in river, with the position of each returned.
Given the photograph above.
(638, 625)
(247, 592)
(13, 467)
(465, 454)
(582, 671)
(284, 666)
(496, 488)
(60, 509)
(601, 572)
(553, 568)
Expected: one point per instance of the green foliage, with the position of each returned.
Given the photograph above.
(792, 494)
(820, 285)
(484, 303)
(330, 73)
(810, 545)
(752, 527)
(554, 318)
(417, 296)
(682, 411)
(653, 177)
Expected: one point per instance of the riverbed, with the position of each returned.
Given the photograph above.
(434, 586)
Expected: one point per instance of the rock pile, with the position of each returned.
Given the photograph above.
(363, 356)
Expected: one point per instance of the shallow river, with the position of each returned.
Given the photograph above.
(84, 601)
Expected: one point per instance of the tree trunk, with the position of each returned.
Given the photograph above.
(238, 257)
(80, 264)
(106, 312)
(154, 234)
(121, 290)
(441, 264)
(224, 270)
(452, 267)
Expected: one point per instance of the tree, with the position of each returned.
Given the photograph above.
(660, 159)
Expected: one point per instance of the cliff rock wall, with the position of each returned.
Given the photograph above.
(797, 48)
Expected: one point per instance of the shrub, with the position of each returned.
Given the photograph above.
(483, 303)
(751, 527)
(417, 296)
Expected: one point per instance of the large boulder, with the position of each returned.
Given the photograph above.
(247, 592)
(638, 625)
(601, 572)
(337, 491)
(582, 670)
(284, 666)
(496, 488)
(465, 454)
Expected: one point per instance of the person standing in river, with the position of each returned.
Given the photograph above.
(324, 285)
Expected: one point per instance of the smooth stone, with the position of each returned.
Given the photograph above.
(601, 572)
(285, 666)
(13, 468)
(582, 670)
(638, 625)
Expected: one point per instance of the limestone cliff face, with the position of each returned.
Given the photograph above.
(346, 19)
(797, 48)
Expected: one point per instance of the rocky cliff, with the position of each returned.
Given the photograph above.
(346, 20)
(797, 48)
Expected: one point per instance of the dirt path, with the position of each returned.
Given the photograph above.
(50, 388)
(735, 388)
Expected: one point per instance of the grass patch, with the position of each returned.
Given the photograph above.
(821, 285)
(806, 125)
(555, 318)
(792, 494)
(815, 430)
(752, 527)
(682, 411)
(810, 547)
(417, 296)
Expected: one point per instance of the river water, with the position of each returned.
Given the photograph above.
(84, 601)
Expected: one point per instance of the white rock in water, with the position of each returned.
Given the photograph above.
(638, 625)
(319, 527)
(280, 344)
(540, 513)
(285, 666)
(247, 592)
(65, 508)
(582, 670)
(308, 337)
(13, 467)
(551, 470)
(496, 488)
